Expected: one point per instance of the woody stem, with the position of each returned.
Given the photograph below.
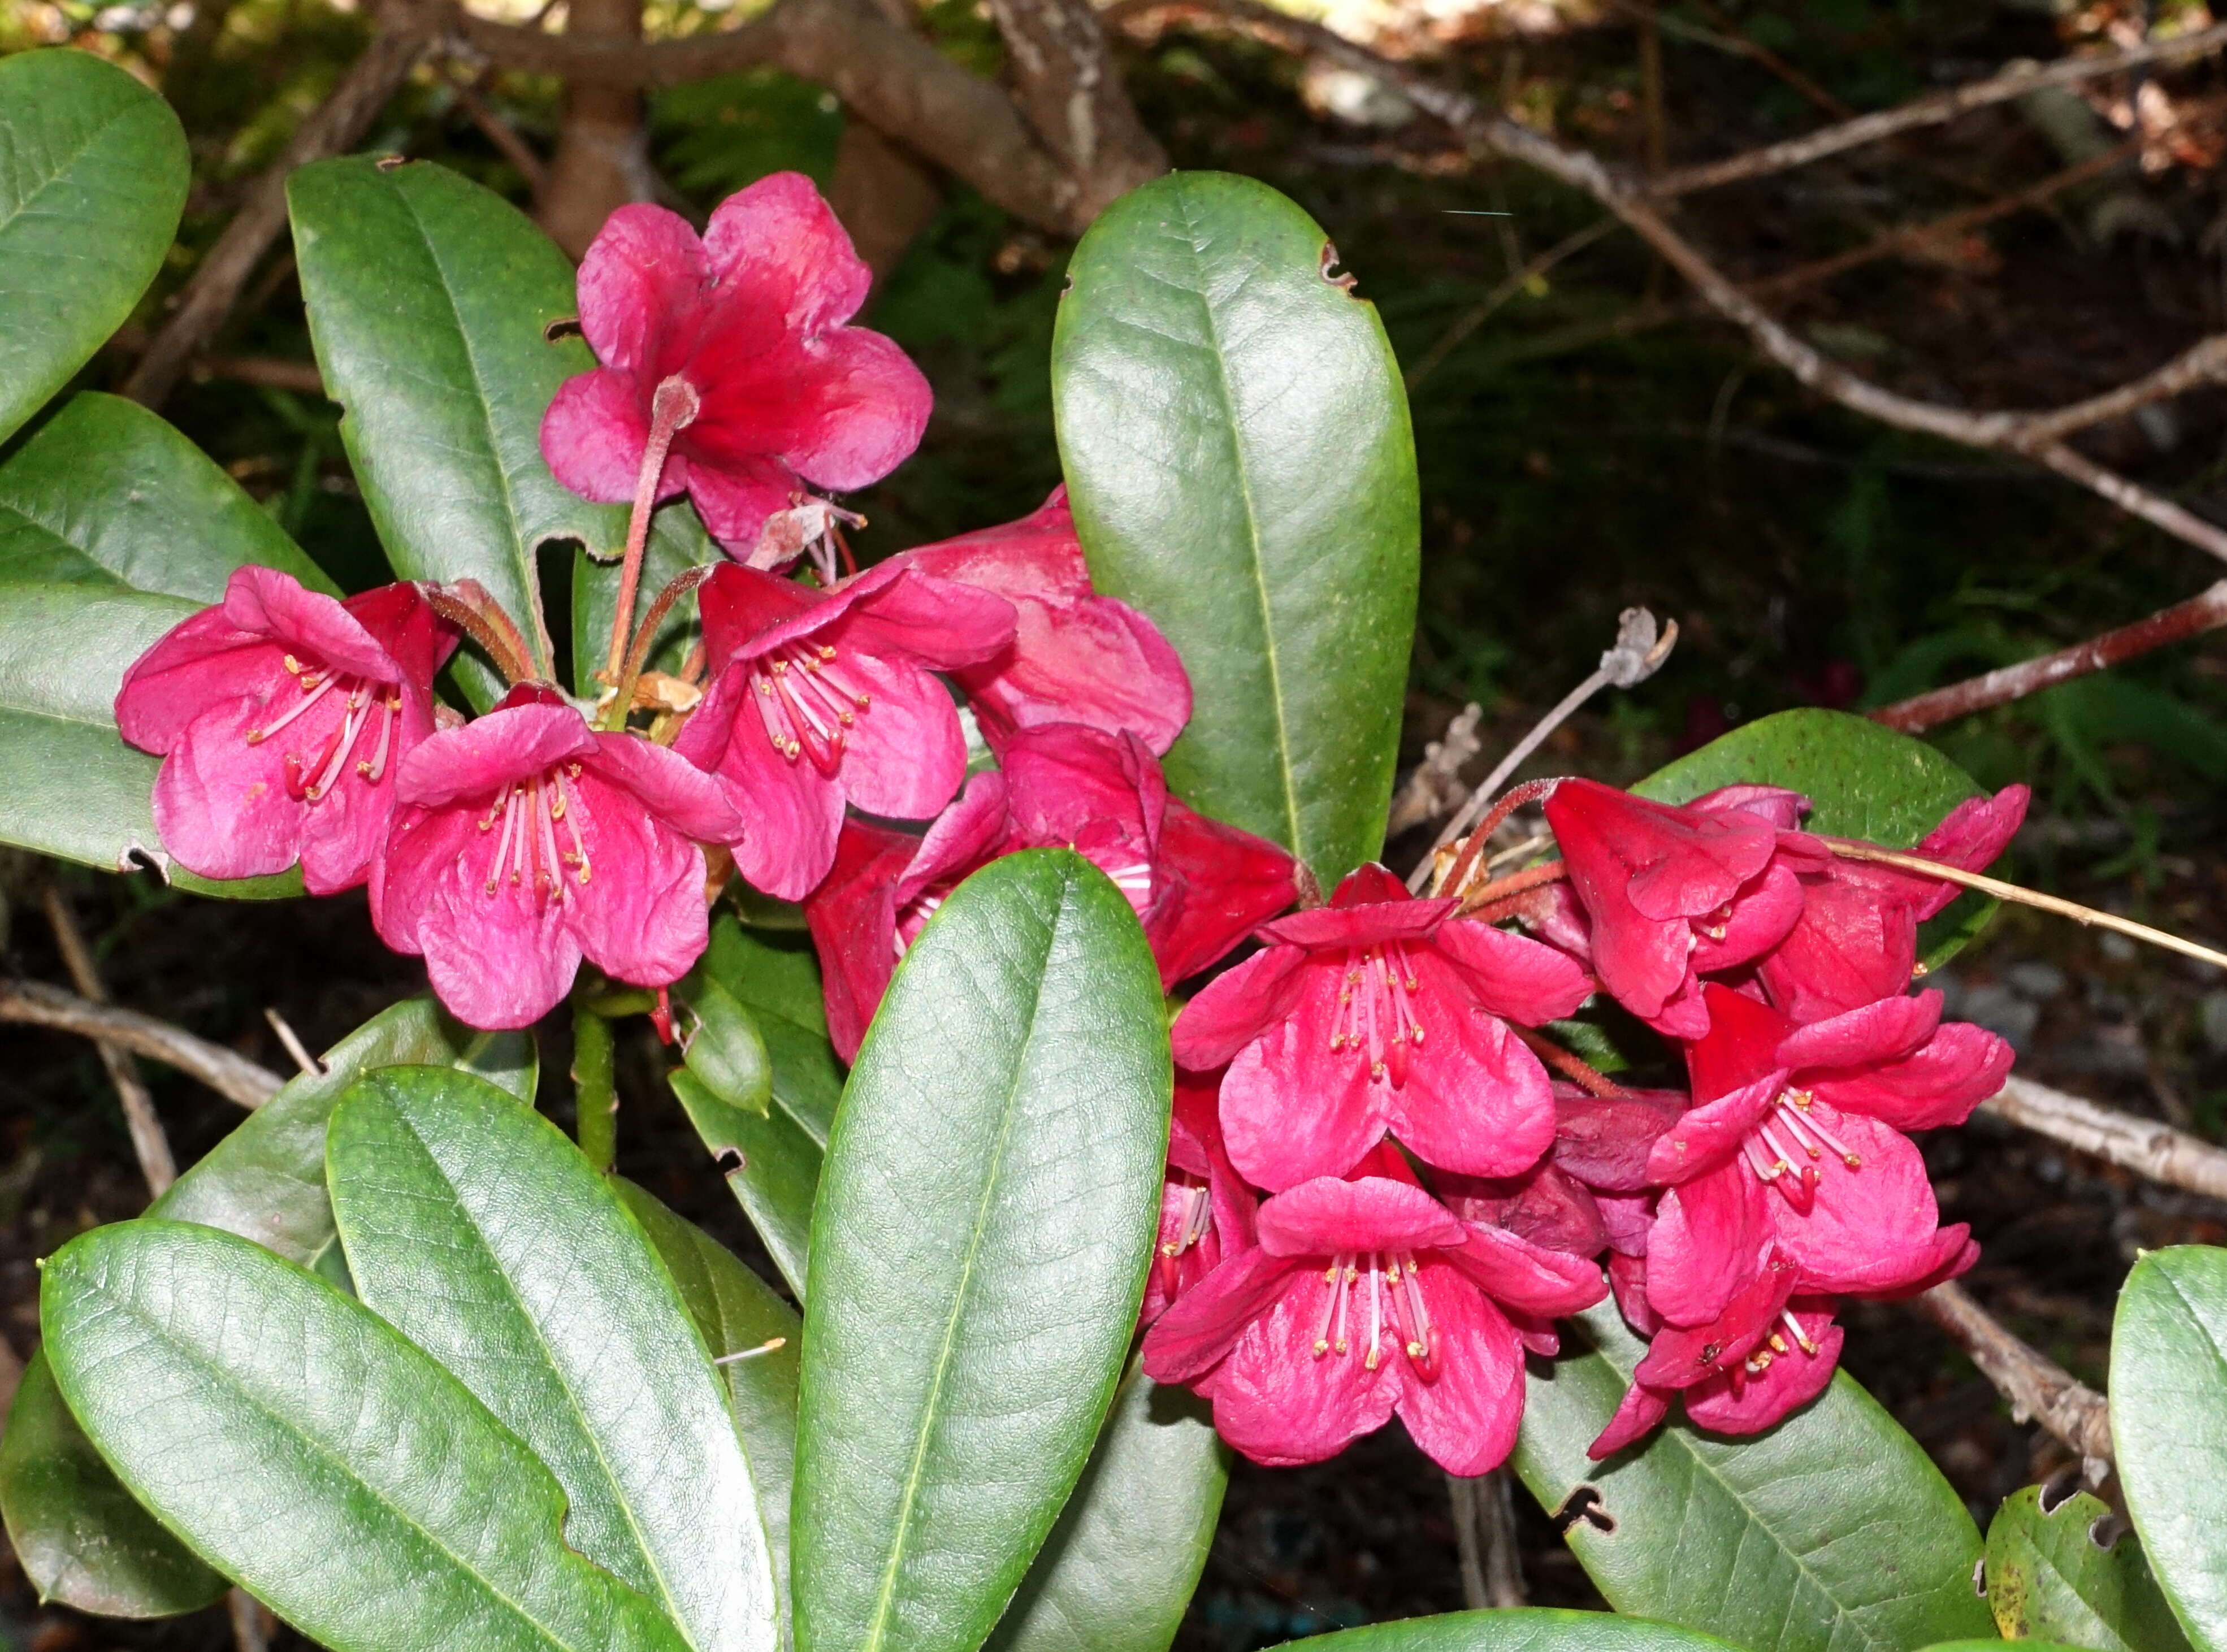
(1574, 1067)
(2002, 892)
(638, 656)
(1515, 884)
(672, 410)
(1515, 798)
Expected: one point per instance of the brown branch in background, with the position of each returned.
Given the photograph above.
(504, 136)
(1932, 111)
(230, 1074)
(2039, 1390)
(275, 371)
(1916, 235)
(1067, 84)
(207, 300)
(602, 161)
(2206, 611)
(1484, 1531)
(2142, 1145)
(148, 1145)
(251, 1623)
(1451, 339)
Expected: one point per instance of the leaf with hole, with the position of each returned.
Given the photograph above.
(1832, 1532)
(2169, 1424)
(1867, 780)
(477, 1230)
(2051, 1578)
(82, 1539)
(1117, 1571)
(1239, 459)
(307, 1451)
(985, 1212)
(93, 173)
(429, 298)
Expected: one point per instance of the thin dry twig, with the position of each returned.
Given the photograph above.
(2038, 1389)
(1932, 111)
(2206, 611)
(2143, 1145)
(1435, 787)
(1451, 339)
(248, 1632)
(231, 1075)
(148, 1145)
(310, 1065)
(205, 302)
(1484, 1531)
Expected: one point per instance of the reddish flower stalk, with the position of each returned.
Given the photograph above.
(1510, 800)
(673, 408)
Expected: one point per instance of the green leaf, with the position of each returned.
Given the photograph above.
(298, 1443)
(474, 1227)
(1865, 780)
(978, 1255)
(2169, 1423)
(737, 1313)
(1833, 1530)
(1238, 458)
(93, 173)
(1118, 1569)
(1997, 1646)
(94, 1547)
(765, 1127)
(1529, 1629)
(76, 1532)
(2049, 1579)
(428, 297)
(106, 493)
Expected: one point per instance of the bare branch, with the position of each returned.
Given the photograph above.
(1484, 1533)
(2039, 1390)
(1435, 787)
(231, 1075)
(148, 1145)
(2143, 1145)
(2014, 82)
(2206, 611)
(207, 300)
(276, 371)
(1069, 88)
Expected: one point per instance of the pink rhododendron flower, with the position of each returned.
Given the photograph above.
(1793, 1152)
(1380, 1012)
(820, 697)
(1363, 1298)
(525, 840)
(1856, 940)
(1665, 894)
(1199, 887)
(281, 716)
(1206, 1209)
(751, 318)
(1076, 657)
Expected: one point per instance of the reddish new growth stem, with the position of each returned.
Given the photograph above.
(672, 410)
(467, 605)
(638, 656)
(1510, 800)
(1478, 902)
(1579, 1072)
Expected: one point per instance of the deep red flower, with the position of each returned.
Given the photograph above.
(281, 716)
(1793, 1151)
(752, 318)
(525, 840)
(1666, 894)
(1076, 657)
(820, 697)
(1380, 1012)
(1206, 1209)
(1199, 887)
(1856, 940)
(1364, 1298)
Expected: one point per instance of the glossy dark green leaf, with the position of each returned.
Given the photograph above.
(1529, 1629)
(979, 1247)
(1238, 453)
(2049, 1579)
(738, 1313)
(428, 299)
(1866, 782)
(1831, 1532)
(300, 1444)
(765, 1130)
(474, 1227)
(93, 173)
(83, 1539)
(1118, 1569)
(106, 493)
(77, 1532)
(2169, 1423)
(1997, 1646)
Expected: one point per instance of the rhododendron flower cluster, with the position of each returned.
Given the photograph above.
(1379, 1196)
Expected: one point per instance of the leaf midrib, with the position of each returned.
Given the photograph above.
(1842, 1613)
(913, 1473)
(318, 1450)
(1255, 559)
(124, 112)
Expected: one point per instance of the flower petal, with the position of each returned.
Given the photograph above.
(776, 248)
(1476, 1099)
(640, 915)
(594, 436)
(1279, 1402)
(1523, 981)
(1465, 1417)
(1710, 1240)
(642, 287)
(465, 765)
(1237, 1007)
(1526, 1277)
(1291, 1109)
(1326, 1215)
(1867, 1225)
(852, 918)
(1935, 1086)
(1205, 1322)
